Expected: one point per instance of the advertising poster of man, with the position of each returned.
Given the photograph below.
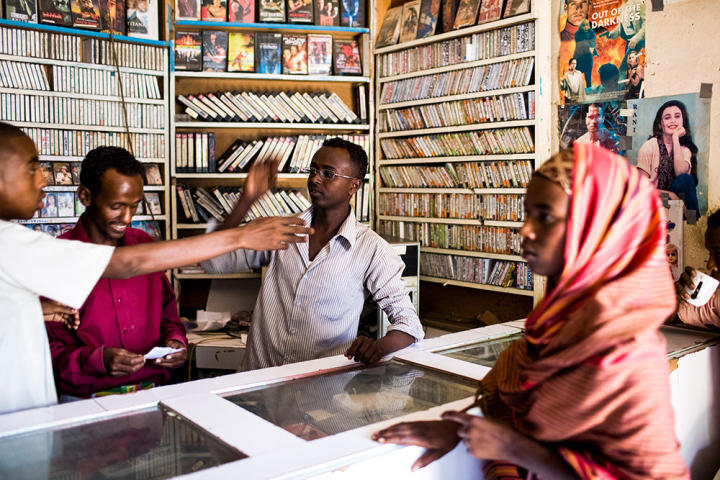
(597, 123)
(670, 138)
(606, 38)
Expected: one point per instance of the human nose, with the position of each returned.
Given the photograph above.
(126, 215)
(40, 179)
(527, 231)
(712, 263)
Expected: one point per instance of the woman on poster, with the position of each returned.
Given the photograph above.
(585, 50)
(668, 158)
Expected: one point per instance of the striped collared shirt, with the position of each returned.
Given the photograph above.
(311, 309)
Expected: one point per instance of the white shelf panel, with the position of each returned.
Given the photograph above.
(457, 66)
(470, 191)
(72, 188)
(262, 76)
(452, 98)
(459, 33)
(466, 253)
(275, 126)
(478, 286)
(459, 158)
(457, 128)
(49, 61)
(63, 158)
(82, 96)
(34, 221)
(503, 223)
(87, 128)
(448, 221)
(208, 276)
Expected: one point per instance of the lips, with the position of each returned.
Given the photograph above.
(314, 192)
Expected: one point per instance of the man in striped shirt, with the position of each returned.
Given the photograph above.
(310, 301)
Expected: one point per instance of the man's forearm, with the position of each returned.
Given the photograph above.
(393, 341)
(147, 258)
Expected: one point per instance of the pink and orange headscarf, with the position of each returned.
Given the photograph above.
(590, 376)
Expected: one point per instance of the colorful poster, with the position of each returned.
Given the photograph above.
(670, 142)
(602, 52)
(598, 123)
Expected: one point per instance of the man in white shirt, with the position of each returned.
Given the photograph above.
(311, 298)
(34, 264)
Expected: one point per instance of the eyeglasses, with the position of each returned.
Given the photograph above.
(325, 174)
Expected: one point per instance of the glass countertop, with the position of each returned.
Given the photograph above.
(482, 353)
(150, 444)
(322, 405)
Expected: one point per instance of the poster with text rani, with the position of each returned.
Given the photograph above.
(602, 50)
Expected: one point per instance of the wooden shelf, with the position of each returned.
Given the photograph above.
(220, 176)
(262, 76)
(274, 126)
(87, 128)
(304, 27)
(82, 96)
(464, 32)
(478, 286)
(459, 158)
(68, 63)
(191, 226)
(206, 276)
(457, 128)
(502, 223)
(452, 98)
(457, 66)
(468, 253)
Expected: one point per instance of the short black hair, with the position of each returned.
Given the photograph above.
(607, 71)
(714, 219)
(101, 159)
(9, 132)
(571, 60)
(356, 152)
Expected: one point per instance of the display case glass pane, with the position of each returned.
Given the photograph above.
(481, 353)
(151, 444)
(322, 405)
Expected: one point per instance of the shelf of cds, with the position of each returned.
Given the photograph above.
(63, 87)
(458, 133)
(261, 82)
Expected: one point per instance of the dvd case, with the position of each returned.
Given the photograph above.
(57, 12)
(327, 13)
(86, 14)
(214, 10)
(188, 51)
(21, 10)
(215, 50)
(241, 52)
(112, 16)
(390, 30)
(187, 9)
(352, 13)
(320, 54)
(241, 11)
(271, 11)
(142, 19)
(300, 11)
(268, 47)
(347, 58)
(294, 55)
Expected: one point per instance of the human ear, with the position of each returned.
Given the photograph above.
(84, 195)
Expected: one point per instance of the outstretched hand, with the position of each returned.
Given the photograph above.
(261, 178)
(57, 312)
(274, 233)
(438, 437)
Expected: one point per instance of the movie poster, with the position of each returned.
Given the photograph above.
(602, 52)
(601, 124)
(661, 126)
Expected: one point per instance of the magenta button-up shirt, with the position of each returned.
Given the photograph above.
(136, 314)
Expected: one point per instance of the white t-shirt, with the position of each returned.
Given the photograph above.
(34, 264)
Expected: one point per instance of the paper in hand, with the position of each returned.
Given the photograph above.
(159, 352)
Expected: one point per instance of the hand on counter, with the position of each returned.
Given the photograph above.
(364, 350)
(438, 437)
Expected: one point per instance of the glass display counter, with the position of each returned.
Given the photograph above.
(481, 353)
(322, 405)
(149, 444)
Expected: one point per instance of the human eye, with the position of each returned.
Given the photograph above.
(329, 174)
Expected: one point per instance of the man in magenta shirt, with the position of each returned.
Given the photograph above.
(123, 319)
